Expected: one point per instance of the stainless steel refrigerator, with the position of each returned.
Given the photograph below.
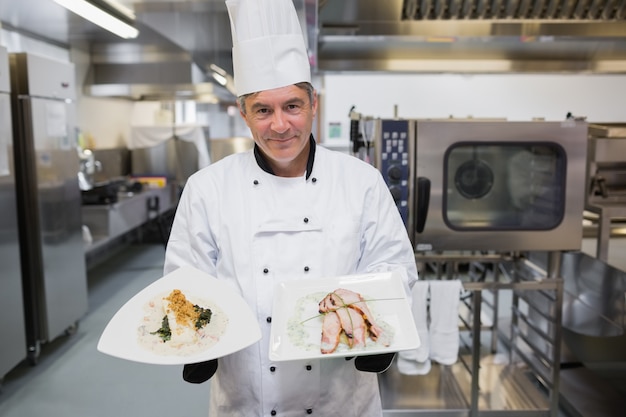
(43, 95)
(11, 304)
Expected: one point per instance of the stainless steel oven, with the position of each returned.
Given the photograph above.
(486, 185)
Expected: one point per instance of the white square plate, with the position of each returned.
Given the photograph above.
(120, 338)
(297, 325)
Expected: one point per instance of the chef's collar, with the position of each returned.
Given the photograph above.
(265, 166)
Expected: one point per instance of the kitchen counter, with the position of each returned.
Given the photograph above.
(110, 224)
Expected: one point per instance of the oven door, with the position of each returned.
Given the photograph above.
(503, 186)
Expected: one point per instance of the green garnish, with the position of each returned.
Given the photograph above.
(164, 332)
(204, 316)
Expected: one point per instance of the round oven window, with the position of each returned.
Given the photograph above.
(473, 179)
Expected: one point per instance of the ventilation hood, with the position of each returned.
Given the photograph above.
(403, 36)
(152, 72)
(184, 46)
(154, 67)
(472, 36)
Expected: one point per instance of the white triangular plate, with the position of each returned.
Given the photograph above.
(120, 339)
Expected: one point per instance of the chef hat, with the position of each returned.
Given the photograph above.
(268, 45)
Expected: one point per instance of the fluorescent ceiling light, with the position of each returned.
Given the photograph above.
(101, 18)
(220, 75)
(219, 78)
(126, 11)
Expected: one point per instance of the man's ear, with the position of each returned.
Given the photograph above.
(243, 115)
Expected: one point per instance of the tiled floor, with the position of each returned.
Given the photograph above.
(74, 379)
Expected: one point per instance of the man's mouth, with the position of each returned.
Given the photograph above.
(282, 139)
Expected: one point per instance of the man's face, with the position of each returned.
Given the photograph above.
(280, 121)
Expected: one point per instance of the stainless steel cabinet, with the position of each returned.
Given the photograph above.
(49, 200)
(11, 303)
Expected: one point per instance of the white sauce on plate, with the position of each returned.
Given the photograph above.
(204, 338)
(304, 328)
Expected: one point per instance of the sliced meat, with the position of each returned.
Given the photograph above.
(355, 320)
(352, 322)
(334, 301)
(328, 303)
(345, 319)
(331, 331)
(356, 301)
(354, 326)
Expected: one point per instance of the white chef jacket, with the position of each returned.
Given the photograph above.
(253, 229)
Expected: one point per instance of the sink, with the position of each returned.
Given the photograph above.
(594, 313)
(104, 193)
(109, 192)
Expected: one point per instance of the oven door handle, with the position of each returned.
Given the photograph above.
(423, 200)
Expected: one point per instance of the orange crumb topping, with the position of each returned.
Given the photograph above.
(182, 308)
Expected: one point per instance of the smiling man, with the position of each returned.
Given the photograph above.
(287, 210)
(280, 121)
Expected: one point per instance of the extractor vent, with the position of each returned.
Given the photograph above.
(553, 10)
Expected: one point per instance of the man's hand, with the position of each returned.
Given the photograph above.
(197, 373)
(374, 363)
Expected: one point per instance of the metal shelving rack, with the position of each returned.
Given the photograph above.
(532, 343)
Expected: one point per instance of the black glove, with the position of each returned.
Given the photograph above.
(197, 373)
(374, 363)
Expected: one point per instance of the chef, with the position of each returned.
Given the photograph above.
(286, 210)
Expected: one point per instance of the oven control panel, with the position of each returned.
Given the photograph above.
(393, 160)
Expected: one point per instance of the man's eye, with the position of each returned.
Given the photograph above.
(263, 111)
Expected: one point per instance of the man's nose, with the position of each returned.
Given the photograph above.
(279, 122)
